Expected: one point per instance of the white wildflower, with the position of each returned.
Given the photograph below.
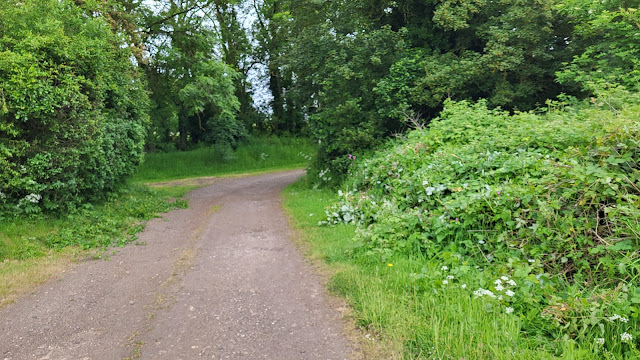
(450, 277)
(504, 278)
(499, 288)
(626, 337)
(531, 260)
(33, 198)
(444, 268)
(511, 282)
(508, 310)
(600, 341)
(2, 195)
(445, 282)
(618, 317)
(498, 282)
(500, 297)
(510, 293)
(482, 292)
(464, 286)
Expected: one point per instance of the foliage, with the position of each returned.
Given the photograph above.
(402, 307)
(608, 32)
(548, 199)
(72, 107)
(197, 94)
(362, 68)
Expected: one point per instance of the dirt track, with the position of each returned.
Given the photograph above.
(220, 280)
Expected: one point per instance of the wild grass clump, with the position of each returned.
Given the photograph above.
(254, 155)
(538, 213)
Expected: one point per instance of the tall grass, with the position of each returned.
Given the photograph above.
(257, 154)
(409, 317)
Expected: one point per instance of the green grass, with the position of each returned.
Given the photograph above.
(258, 154)
(113, 222)
(410, 318)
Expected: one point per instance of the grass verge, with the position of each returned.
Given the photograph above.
(33, 250)
(403, 315)
(259, 154)
(18, 277)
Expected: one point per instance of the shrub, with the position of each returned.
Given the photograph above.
(72, 107)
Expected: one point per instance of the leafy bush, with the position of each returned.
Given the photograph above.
(72, 107)
(549, 200)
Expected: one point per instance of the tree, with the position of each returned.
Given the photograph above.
(193, 90)
(606, 39)
(73, 108)
(361, 67)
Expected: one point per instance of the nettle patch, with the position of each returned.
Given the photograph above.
(550, 201)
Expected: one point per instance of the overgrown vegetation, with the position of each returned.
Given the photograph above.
(537, 213)
(400, 314)
(505, 219)
(362, 67)
(73, 108)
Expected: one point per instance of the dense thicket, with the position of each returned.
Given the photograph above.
(73, 108)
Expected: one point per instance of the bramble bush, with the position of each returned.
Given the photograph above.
(72, 107)
(547, 200)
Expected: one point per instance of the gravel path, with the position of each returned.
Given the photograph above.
(220, 280)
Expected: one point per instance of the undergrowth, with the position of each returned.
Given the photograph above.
(536, 214)
(402, 314)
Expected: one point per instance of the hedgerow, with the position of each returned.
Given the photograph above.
(548, 200)
(72, 107)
